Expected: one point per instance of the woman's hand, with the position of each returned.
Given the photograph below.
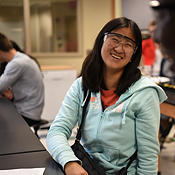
(73, 168)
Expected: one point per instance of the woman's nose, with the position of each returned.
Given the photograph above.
(119, 47)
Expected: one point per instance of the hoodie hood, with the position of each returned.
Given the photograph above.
(143, 83)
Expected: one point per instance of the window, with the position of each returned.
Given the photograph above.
(51, 26)
(12, 21)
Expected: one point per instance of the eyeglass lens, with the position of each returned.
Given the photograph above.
(116, 39)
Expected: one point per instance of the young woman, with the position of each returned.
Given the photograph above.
(123, 113)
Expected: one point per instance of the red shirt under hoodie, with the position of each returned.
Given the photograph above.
(108, 98)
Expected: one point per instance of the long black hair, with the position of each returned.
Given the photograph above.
(92, 68)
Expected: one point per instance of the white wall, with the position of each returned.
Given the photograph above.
(139, 11)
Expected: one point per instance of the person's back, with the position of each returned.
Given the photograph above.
(27, 85)
(24, 78)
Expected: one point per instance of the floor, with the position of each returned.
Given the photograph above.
(167, 153)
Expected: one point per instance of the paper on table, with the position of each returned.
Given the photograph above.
(26, 171)
(158, 79)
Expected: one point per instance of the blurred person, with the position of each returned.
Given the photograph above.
(151, 53)
(21, 82)
(166, 71)
(164, 12)
(158, 59)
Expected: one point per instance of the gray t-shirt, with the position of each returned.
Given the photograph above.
(24, 78)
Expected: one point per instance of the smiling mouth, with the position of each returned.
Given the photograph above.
(116, 57)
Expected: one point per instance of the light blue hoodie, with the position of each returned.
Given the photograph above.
(112, 136)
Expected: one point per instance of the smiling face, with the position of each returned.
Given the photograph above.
(115, 57)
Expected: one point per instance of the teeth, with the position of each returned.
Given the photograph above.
(119, 58)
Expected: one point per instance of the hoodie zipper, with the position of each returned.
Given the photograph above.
(99, 126)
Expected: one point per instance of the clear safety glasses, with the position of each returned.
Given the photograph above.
(115, 39)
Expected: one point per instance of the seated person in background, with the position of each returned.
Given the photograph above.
(158, 59)
(165, 70)
(23, 79)
(17, 48)
(151, 53)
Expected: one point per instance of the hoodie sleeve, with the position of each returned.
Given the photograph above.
(147, 127)
(61, 128)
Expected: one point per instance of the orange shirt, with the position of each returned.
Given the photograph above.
(108, 98)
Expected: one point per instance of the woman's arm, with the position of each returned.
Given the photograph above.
(72, 168)
(61, 128)
(147, 127)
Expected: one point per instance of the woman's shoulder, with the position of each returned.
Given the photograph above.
(78, 82)
(76, 87)
(146, 83)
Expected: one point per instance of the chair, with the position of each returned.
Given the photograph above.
(40, 125)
